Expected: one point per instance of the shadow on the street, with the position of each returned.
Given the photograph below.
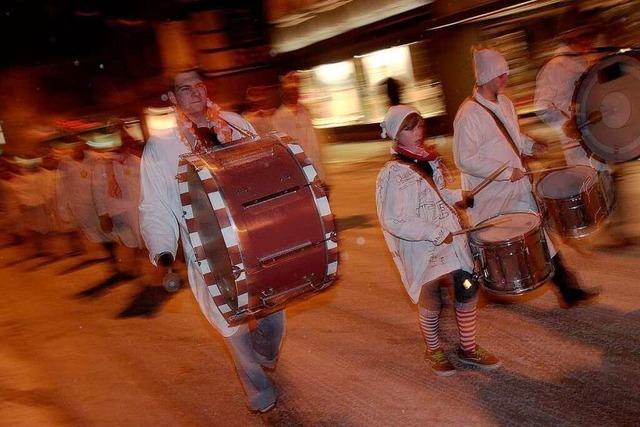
(83, 264)
(353, 221)
(603, 395)
(112, 281)
(147, 302)
(48, 260)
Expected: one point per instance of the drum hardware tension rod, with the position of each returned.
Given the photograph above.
(488, 180)
(479, 227)
(557, 168)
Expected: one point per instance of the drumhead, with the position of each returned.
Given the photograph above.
(607, 95)
(567, 183)
(507, 227)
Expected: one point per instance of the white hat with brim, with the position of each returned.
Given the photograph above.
(394, 118)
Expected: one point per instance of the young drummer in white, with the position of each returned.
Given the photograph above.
(418, 221)
(480, 147)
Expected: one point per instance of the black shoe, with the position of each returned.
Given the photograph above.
(575, 296)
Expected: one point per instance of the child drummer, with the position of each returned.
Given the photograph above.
(418, 221)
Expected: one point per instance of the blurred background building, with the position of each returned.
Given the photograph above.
(68, 65)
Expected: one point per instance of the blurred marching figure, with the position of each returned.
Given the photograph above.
(555, 86)
(30, 189)
(294, 119)
(393, 88)
(116, 194)
(259, 113)
(62, 227)
(74, 196)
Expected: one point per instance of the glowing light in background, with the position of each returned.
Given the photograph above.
(159, 120)
(336, 73)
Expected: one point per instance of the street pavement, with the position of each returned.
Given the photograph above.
(79, 349)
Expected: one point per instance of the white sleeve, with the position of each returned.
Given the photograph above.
(467, 150)
(398, 211)
(545, 96)
(158, 224)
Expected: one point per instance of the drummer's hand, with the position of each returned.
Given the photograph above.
(466, 202)
(448, 239)
(516, 175)
(570, 129)
(539, 148)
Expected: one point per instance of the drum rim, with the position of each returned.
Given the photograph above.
(240, 282)
(574, 108)
(505, 242)
(539, 192)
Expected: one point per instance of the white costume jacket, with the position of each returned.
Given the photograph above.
(415, 221)
(480, 147)
(555, 87)
(161, 217)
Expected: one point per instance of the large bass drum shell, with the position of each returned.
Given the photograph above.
(260, 224)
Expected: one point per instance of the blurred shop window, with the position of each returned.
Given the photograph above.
(409, 65)
(355, 92)
(330, 92)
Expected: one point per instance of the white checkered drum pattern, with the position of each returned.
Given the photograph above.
(260, 224)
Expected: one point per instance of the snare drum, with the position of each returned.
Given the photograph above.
(576, 200)
(513, 254)
(260, 224)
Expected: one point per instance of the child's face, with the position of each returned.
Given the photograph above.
(411, 136)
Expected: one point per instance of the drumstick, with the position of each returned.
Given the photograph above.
(547, 170)
(243, 132)
(488, 180)
(479, 227)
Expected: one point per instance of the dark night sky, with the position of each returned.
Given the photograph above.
(41, 31)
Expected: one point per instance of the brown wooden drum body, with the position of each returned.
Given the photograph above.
(260, 224)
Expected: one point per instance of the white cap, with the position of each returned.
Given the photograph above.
(394, 118)
(488, 64)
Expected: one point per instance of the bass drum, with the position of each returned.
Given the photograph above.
(260, 224)
(607, 108)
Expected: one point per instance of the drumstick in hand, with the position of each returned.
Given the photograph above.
(488, 180)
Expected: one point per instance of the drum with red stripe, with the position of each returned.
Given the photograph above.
(260, 224)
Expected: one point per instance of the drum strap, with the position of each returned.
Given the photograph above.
(504, 131)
